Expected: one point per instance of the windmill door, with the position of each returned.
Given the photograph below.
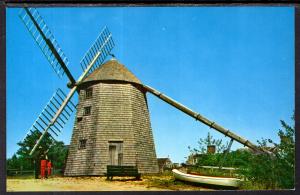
(115, 153)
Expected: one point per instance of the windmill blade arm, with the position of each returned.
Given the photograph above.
(202, 119)
(39, 140)
(61, 62)
(89, 67)
(64, 104)
(46, 41)
(103, 45)
(48, 119)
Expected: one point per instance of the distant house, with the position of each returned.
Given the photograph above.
(164, 163)
(175, 165)
(211, 149)
(193, 159)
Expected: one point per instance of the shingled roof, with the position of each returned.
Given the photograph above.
(112, 70)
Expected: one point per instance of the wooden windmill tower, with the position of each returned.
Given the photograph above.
(112, 125)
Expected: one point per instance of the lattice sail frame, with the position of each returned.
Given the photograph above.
(59, 108)
(44, 118)
(41, 33)
(103, 44)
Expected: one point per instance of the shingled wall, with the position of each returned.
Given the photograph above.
(119, 112)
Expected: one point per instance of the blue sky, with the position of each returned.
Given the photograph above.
(234, 65)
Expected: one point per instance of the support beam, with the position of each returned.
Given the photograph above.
(204, 120)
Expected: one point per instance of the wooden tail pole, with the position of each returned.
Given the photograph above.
(226, 153)
(204, 120)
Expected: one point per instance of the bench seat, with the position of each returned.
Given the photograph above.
(114, 170)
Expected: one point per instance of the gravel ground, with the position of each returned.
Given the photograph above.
(74, 184)
(87, 184)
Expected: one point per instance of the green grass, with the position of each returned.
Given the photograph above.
(166, 180)
(213, 172)
(248, 185)
(169, 183)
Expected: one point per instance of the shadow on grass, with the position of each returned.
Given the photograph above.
(123, 179)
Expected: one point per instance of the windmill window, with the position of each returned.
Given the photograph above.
(79, 119)
(88, 93)
(87, 111)
(82, 144)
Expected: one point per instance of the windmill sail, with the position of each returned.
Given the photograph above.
(59, 108)
(204, 120)
(103, 45)
(45, 122)
(93, 58)
(65, 100)
(44, 38)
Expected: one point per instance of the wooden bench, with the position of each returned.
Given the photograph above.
(113, 170)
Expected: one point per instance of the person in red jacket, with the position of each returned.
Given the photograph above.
(49, 167)
(43, 168)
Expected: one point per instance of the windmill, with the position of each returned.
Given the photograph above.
(112, 124)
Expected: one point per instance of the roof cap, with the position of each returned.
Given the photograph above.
(112, 70)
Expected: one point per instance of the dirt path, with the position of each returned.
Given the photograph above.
(75, 184)
(84, 184)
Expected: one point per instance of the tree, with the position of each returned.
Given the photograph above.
(262, 170)
(277, 170)
(204, 158)
(28, 143)
(208, 141)
(13, 162)
(237, 158)
(58, 154)
(55, 150)
(21, 159)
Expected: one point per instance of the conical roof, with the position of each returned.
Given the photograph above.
(112, 70)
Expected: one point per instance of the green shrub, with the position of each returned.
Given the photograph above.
(276, 171)
(261, 171)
